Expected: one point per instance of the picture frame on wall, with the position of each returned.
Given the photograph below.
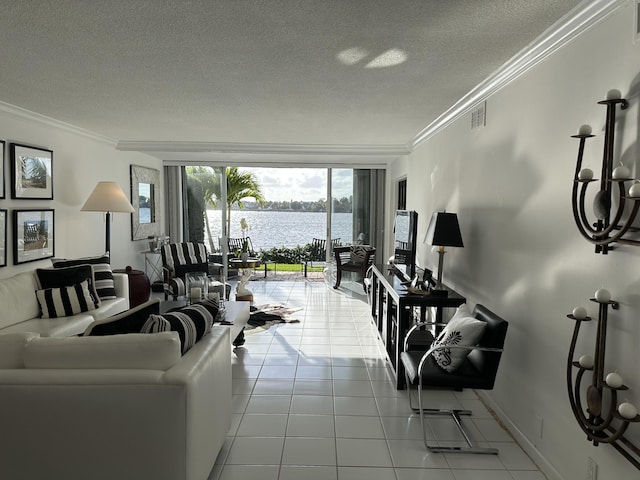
(33, 235)
(3, 238)
(146, 200)
(31, 172)
(2, 146)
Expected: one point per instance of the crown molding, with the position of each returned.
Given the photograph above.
(20, 113)
(577, 21)
(263, 148)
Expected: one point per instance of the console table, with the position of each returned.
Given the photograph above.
(394, 310)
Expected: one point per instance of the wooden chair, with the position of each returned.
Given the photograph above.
(478, 371)
(318, 252)
(235, 244)
(355, 258)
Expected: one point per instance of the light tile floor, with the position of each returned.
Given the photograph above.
(315, 400)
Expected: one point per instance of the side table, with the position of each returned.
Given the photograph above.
(139, 286)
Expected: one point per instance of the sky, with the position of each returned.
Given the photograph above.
(301, 184)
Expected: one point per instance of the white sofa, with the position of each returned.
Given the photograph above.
(124, 407)
(21, 310)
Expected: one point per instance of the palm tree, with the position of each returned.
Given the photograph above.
(241, 185)
(210, 193)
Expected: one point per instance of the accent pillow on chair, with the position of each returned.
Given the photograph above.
(105, 285)
(463, 330)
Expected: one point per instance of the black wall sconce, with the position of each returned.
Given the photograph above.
(609, 227)
(603, 419)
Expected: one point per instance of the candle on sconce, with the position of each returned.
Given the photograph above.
(585, 174)
(579, 313)
(602, 295)
(585, 130)
(627, 410)
(634, 190)
(614, 380)
(621, 173)
(586, 361)
(614, 94)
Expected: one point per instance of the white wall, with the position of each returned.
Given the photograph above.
(79, 163)
(510, 183)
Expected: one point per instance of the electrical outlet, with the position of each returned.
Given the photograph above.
(592, 469)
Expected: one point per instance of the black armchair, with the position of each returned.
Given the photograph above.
(356, 258)
(478, 370)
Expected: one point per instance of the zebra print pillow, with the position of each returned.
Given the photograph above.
(65, 301)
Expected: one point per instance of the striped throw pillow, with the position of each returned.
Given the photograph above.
(65, 301)
(191, 322)
(104, 283)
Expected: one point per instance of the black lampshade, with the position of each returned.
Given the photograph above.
(444, 230)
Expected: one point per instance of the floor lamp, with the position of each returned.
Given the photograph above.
(443, 231)
(107, 197)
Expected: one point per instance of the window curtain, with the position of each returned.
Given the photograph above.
(174, 201)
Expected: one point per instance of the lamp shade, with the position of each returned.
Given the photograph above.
(107, 197)
(444, 230)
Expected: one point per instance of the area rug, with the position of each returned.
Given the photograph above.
(264, 316)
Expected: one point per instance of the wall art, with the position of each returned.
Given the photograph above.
(31, 172)
(33, 235)
(145, 198)
(2, 145)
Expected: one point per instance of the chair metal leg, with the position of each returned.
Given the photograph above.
(455, 414)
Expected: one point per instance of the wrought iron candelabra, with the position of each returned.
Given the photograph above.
(603, 419)
(607, 228)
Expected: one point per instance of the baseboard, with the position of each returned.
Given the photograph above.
(549, 470)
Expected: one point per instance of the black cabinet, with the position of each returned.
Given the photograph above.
(394, 311)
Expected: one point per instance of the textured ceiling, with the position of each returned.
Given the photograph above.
(301, 72)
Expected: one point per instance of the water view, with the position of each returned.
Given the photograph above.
(269, 229)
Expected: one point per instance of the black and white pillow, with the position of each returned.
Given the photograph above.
(104, 283)
(191, 322)
(463, 330)
(130, 321)
(66, 277)
(65, 301)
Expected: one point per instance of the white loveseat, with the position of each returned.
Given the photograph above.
(124, 407)
(21, 310)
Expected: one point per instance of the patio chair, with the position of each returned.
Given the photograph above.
(477, 369)
(235, 244)
(355, 258)
(318, 253)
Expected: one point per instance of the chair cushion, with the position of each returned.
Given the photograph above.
(66, 277)
(191, 322)
(105, 285)
(65, 301)
(466, 376)
(358, 253)
(462, 330)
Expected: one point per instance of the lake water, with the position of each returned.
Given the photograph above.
(283, 229)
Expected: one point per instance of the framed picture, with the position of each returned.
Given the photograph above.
(33, 235)
(3, 238)
(146, 200)
(2, 144)
(31, 172)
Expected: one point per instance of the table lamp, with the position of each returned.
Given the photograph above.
(443, 231)
(107, 197)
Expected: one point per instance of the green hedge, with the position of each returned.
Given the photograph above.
(286, 254)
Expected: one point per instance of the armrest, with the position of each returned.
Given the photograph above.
(429, 352)
(121, 284)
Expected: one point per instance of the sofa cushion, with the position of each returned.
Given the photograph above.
(130, 321)
(66, 277)
(65, 301)
(12, 349)
(130, 351)
(191, 322)
(18, 300)
(102, 270)
(462, 330)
